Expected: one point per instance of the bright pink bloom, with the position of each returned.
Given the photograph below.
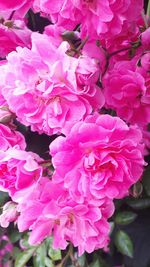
(49, 209)
(18, 170)
(55, 33)
(100, 157)
(98, 19)
(10, 138)
(145, 38)
(127, 91)
(14, 5)
(62, 89)
(145, 62)
(13, 34)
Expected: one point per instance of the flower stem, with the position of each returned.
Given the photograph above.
(148, 9)
(144, 19)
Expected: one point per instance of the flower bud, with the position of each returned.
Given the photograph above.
(9, 214)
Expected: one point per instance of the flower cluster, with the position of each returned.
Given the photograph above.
(55, 84)
(90, 63)
(97, 19)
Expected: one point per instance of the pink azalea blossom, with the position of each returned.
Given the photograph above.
(62, 89)
(49, 209)
(100, 157)
(18, 170)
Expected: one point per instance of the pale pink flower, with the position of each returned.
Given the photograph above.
(49, 209)
(100, 157)
(9, 214)
(62, 89)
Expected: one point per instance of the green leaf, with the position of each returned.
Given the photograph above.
(96, 263)
(55, 255)
(137, 189)
(125, 217)
(15, 236)
(112, 226)
(3, 198)
(3, 243)
(124, 243)
(25, 241)
(39, 258)
(82, 260)
(146, 181)
(16, 251)
(24, 257)
(6, 256)
(139, 204)
(48, 262)
(49, 241)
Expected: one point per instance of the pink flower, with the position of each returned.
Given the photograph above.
(10, 138)
(145, 38)
(100, 157)
(13, 34)
(18, 170)
(9, 214)
(7, 248)
(98, 19)
(62, 89)
(54, 33)
(13, 5)
(49, 209)
(145, 62)
(127, 91)
(146, 139)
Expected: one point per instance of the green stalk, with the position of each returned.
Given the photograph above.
(148, 9)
